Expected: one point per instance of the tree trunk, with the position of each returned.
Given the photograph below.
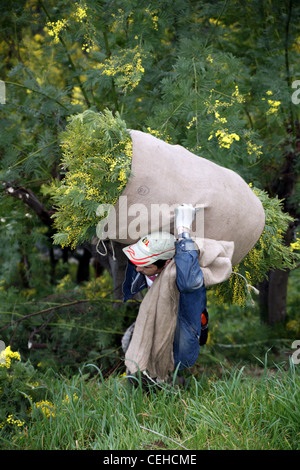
(273, 297)
(273, 290)
(83, 270)
(113, 259)
(277, 296)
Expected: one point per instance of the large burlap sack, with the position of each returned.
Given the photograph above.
(169, 175)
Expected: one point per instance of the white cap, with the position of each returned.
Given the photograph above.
(150, 248)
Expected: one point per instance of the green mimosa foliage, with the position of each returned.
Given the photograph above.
(96, 149)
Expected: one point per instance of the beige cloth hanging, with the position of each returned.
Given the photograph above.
(151, 346)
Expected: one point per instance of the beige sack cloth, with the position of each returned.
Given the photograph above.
(215, 260)
(169, 175)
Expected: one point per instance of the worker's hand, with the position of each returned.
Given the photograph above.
(184, 216)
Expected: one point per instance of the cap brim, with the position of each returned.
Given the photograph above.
(139, 258)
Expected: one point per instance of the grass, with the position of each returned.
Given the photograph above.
(238, 397)
(242, 413)
(234, 410)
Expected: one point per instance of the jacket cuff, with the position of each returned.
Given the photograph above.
(186, 244)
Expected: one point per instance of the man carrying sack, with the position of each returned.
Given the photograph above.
(172, 319)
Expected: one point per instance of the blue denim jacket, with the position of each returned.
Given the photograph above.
(192, 301)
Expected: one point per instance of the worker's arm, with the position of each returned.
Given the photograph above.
(189, 274)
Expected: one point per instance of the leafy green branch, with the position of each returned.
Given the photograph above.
(38, 92)
(65, 305)
(87, 101)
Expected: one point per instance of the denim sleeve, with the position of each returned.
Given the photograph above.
(189, 274)
(133, 283)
